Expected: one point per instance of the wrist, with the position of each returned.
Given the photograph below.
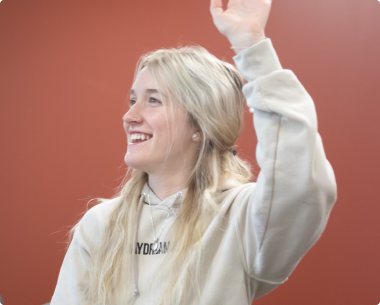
(242, 42)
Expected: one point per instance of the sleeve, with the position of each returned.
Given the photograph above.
(296, 189)
(70, 285)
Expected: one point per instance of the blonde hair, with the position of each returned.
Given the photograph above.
(211, 92)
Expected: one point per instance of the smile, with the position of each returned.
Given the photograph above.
(139, 137)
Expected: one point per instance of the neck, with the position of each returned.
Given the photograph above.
(168, 184)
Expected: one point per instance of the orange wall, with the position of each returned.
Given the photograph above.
(65, 70)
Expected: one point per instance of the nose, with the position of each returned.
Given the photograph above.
(132, 116)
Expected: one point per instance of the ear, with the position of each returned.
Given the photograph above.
(196, 131)
(197, 136)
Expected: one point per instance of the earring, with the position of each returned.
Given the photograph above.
(196, 137)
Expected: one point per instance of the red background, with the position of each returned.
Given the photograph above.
(65, 70)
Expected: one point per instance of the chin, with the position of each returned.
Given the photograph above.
(131, 161)
(135, 162)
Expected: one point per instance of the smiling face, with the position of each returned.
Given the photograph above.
(160, 139)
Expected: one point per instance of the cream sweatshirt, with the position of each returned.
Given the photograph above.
(263, 229)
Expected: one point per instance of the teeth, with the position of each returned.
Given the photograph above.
(138, 136)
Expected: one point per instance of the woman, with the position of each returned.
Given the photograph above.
(187, 227)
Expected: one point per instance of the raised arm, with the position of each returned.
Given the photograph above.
(296, 188)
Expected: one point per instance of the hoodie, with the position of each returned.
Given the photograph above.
(262, 230)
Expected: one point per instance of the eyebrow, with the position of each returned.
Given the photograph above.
(148, 91)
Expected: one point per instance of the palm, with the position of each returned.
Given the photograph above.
(241, 16)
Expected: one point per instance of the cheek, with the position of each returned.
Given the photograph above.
(183, 136)
(178, 136)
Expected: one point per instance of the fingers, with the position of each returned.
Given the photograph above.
(216, 6)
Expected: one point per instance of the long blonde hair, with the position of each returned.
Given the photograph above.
(211, 92)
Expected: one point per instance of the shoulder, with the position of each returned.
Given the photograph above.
(235, 193)
(241, 189)
(233, 188)
(98, 212)
(241, 196)
(244, 193)
(91, 226)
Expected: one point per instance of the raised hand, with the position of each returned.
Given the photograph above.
(243, 22)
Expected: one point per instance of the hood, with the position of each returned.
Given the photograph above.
(171, 202)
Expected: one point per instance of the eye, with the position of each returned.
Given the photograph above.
(154, 101)
(132, 102)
